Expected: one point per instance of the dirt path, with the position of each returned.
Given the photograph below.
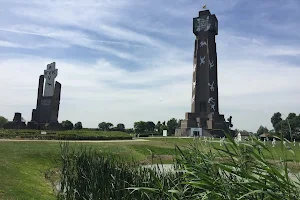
(78, 141)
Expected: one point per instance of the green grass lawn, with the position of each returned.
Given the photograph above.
(23, 165)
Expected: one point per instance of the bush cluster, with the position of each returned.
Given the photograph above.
(64, 135)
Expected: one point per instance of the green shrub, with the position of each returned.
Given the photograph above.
(78, 126)
(64, 135)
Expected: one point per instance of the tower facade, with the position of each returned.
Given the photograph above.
(204, 113)
(48, 99)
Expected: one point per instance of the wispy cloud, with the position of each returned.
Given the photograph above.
(72, 38)
(8, 44)
(134, 58)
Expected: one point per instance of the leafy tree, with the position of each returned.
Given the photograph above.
(120, 127)
(275, 119)
(3, 121)
(293, 122)
(140, 127)
(102, 126)
(109, 126)
(150, 126)
(172, 124)
(283, 128)
(129, 130)
(158, 126)
(291, 116)
(243, 132)
(164, 123)
(262, 130)
(290, 127)
(105, 126)
(78, 126)
(67, 125)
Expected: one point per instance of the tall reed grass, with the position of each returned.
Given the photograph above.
(248, 170)
(89, 175)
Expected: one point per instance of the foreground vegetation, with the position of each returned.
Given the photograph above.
(64, 135)
(87, 174)
(236, 171)
(29, 169)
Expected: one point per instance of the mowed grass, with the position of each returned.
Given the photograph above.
(23, 165)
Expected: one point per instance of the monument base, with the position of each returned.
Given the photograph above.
(32, 125)
(15, 125)
(192, 132)
(212, 126)
(17, 122)
(55, 126)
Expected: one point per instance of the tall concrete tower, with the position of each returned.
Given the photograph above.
(204, 116)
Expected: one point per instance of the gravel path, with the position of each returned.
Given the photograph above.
(78, 141)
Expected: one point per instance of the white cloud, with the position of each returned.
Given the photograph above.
(68, 38)
(7, 44)
(252, 85)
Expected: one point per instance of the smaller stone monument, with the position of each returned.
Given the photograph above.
(239, 137)
(273, 142)
(17, 122)
(165, 133)
(294, 142)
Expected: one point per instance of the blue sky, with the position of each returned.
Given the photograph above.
(128, 60)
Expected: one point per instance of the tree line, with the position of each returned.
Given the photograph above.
(288, 127)
(150, 127)
(140, 127)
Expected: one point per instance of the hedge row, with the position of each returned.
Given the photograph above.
(64, 135)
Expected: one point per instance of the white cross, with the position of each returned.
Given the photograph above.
(211, 64)
(211, 100)
(50, 74)
(211, 86)
(202, 60)
(202, 43)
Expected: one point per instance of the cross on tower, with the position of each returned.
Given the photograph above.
(202, 60)
(50, 74)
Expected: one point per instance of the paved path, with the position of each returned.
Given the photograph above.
(78, 141)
